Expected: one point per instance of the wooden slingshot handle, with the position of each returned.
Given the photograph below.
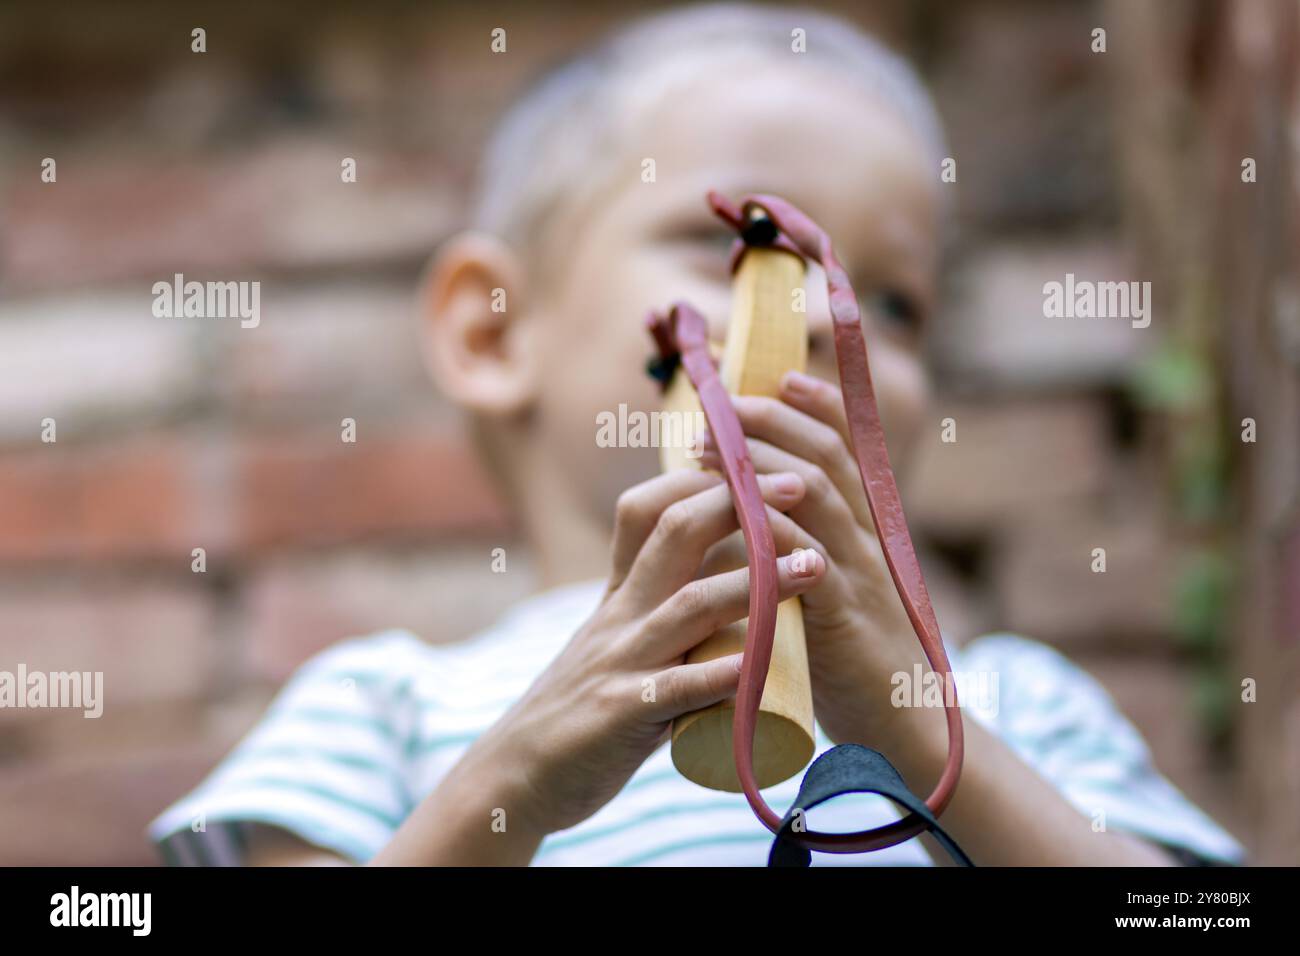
(765, 339)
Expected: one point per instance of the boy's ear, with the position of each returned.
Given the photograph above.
(477, 343)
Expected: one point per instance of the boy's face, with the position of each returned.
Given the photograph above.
(633, 245)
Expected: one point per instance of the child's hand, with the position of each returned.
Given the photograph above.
(857, 630)
(605, 704)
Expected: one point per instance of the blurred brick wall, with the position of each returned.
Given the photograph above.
(173, 436)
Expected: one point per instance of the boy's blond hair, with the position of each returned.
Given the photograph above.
(570, 128)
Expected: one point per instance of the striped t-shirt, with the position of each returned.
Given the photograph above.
(366, 729)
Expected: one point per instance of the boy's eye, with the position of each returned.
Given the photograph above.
(820, 343)
(898, 309)
(704, 248)
(716, 240)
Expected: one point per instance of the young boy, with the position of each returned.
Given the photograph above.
(532, 742)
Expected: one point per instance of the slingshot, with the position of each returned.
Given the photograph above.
(766, 735)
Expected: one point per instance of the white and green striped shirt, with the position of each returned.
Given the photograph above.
(366, 729)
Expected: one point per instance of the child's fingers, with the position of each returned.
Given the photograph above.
(790, 536)
(822, 511)
(687, 687)
(832, 587)
(701, 607)
(639, 508)
(822, 400)
(806, 437)
(686, 529)
(729, 553)
(834, 590)
(811, 439)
